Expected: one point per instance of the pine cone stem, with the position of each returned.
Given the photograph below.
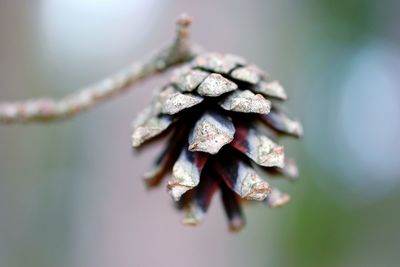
(47, 109)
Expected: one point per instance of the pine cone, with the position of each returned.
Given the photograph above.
(222, 117)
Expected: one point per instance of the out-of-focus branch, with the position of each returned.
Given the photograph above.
(46, 109)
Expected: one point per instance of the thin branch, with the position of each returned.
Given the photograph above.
(45, 109)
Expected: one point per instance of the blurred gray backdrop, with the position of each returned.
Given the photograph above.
(71, 193)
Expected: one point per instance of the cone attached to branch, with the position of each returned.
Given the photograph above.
(223, 118)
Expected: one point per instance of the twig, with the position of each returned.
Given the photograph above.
(45, 109)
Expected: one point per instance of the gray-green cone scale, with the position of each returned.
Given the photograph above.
(223, 120)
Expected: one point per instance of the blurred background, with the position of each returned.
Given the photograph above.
(71, 193)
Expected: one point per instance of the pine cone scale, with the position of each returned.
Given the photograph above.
(214, 107)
